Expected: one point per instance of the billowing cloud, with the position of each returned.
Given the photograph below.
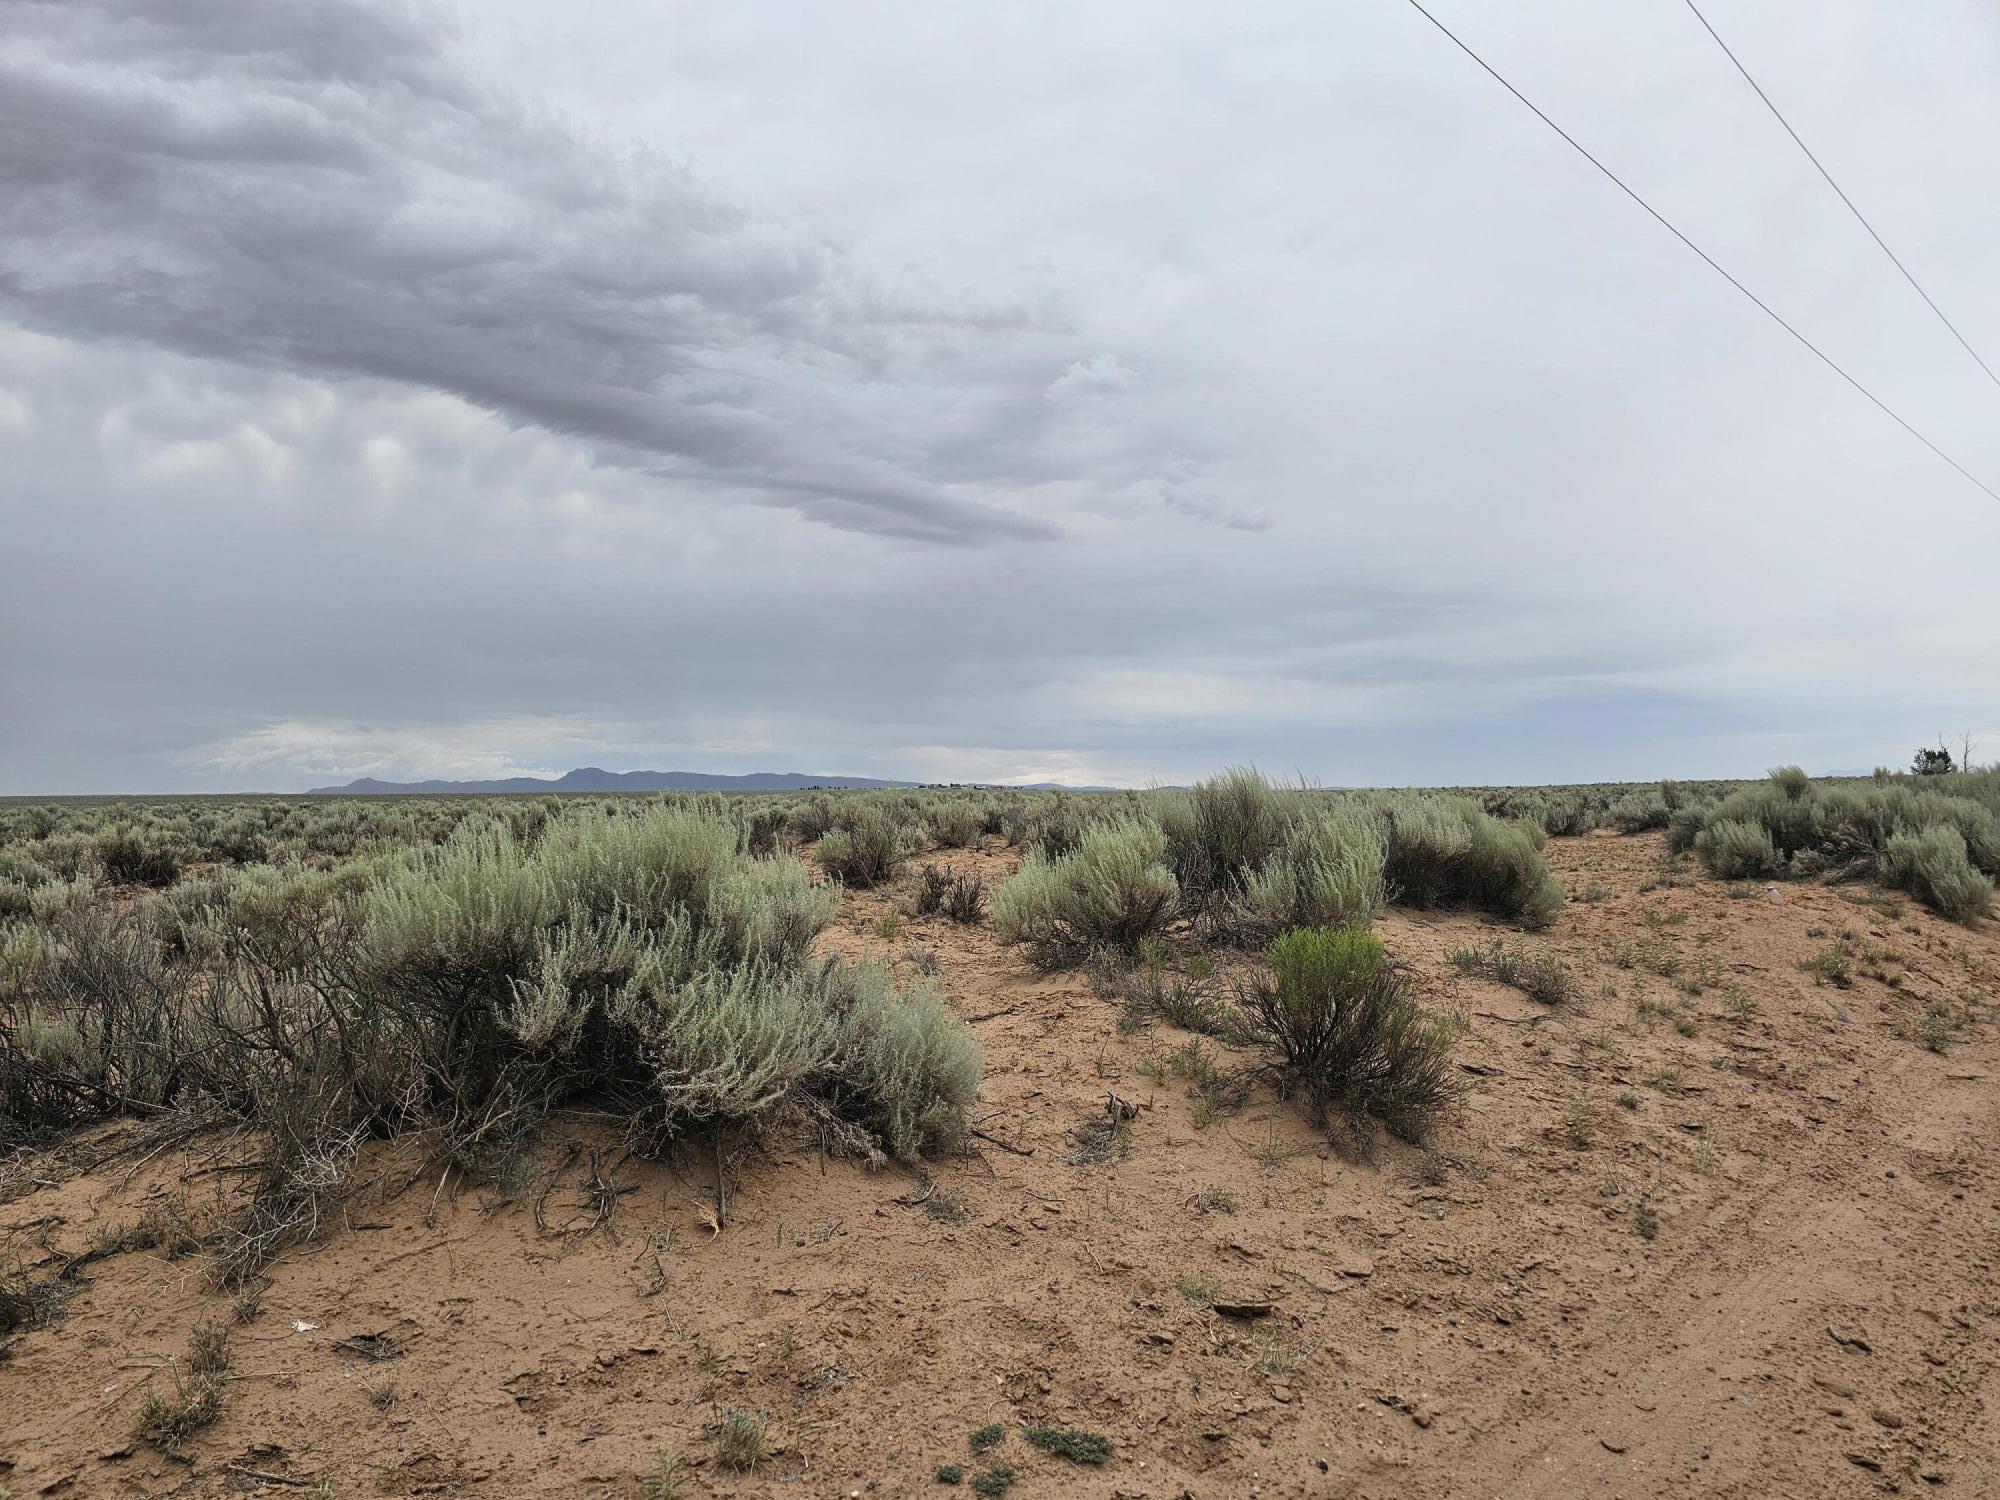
(318, 188)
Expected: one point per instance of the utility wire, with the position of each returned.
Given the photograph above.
(1713, 264)
(1860, 217)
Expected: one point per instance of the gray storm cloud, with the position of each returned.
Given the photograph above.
(316, 188)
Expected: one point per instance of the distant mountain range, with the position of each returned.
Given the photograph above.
(591, 779)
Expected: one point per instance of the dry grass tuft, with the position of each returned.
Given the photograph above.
(169, 1421)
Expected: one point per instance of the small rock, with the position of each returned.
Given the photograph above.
(1245, 1309)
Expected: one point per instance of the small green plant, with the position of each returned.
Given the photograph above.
(1148, 991)
(1937, 1025)
(739, 1441)
(168, 1421)
(1646, 1220)
(1650, 1010)
(1192, 1006)
(1538, 975)
(1200, 1290)
(889, 926)
(1212, 1104)
(1348, 1033)
(1707, 973)
(1193, 1062)
(208, 1349)
(1072, 1443)
(949, 1473)
(1830, 966)
(1275, 1355)
(982, 1438)
(668, 1479)
(992, 1483)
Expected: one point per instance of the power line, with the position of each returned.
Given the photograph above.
(1859, 216)
(1713, 264)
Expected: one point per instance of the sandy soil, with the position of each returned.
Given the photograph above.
(1715, 1228)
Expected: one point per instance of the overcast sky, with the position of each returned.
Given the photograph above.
(982, 390)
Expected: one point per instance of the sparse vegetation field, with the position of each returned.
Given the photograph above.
(1257, 1135)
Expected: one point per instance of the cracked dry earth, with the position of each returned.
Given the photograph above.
(1719, 1226)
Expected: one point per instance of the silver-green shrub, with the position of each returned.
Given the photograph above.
(1736, 849)
(630, 955)
(904, 1067)
(1445, 851)
(1933, 836)
(956, 822)
(1932, 865)
(865, 847)
(1326, 872)
(1221, 831)
(1110, 891)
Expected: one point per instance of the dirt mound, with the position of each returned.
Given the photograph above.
(1723, 1223)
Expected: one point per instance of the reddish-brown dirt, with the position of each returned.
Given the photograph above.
(1715, 1227)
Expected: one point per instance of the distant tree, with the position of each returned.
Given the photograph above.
(1930, 762)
